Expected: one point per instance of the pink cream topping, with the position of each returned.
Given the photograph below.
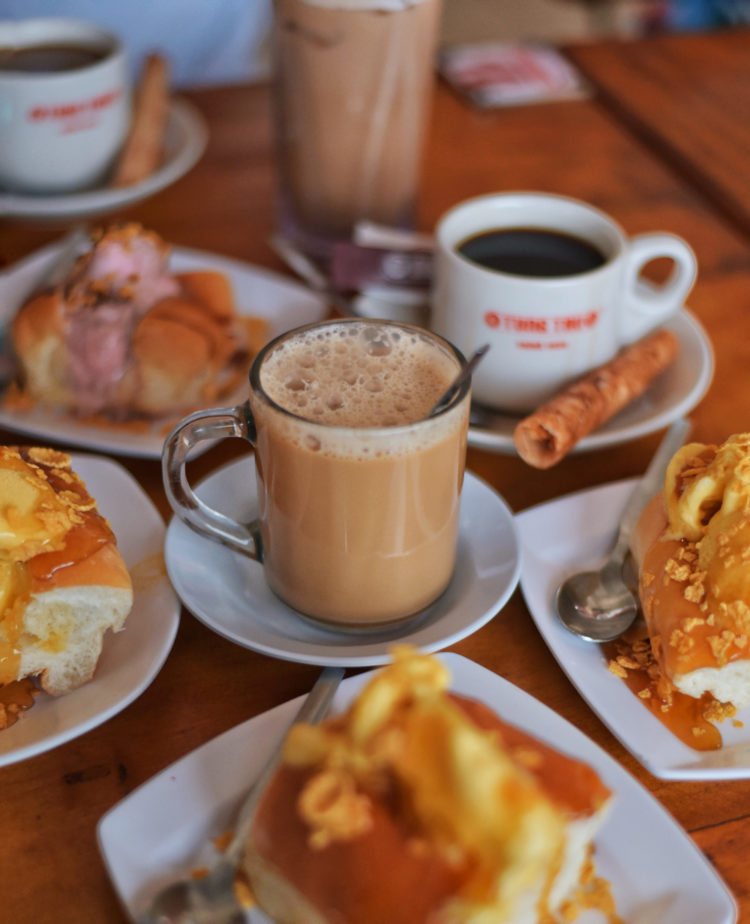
(110, 289)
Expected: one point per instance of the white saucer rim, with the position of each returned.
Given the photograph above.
(610, 434)
(184, 118)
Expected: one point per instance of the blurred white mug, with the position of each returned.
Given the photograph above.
(64, 104)
(552, 284)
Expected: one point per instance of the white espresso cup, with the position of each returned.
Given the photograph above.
(64, 104)
(552, 284)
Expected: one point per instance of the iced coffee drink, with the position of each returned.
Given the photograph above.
(354, 83)
(359, 488)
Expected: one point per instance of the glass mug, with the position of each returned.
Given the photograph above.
(352, 92)
(358, 486)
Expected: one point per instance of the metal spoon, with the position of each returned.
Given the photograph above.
(598, 605)
(466, 371)
(212, 899)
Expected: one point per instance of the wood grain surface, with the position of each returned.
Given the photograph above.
(688, 97)
(50, 867)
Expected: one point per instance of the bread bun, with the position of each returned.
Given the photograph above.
(63, 582)
(691, 546)
(37, 335)
(420, 806)
(122, 337)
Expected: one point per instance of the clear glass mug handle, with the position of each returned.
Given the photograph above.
(214, 424)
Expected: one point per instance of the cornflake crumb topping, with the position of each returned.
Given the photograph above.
(681, 641)
(404, 736)
(720, 645)
(707, 500)
(617, 669)
(36, 511)
(677, 571)
(592, 894)
(638, 655)
(719, 712)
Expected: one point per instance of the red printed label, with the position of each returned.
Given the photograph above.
(518, 324)
(75, 115)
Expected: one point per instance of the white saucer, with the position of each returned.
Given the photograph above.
(284, 302)
(130, 659)
(184, 143)
(228, 591)
(163, 830)
(573, 533)
(672, 395)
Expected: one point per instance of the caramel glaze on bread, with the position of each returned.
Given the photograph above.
(692, 548)
(423, 811)
(63, 582)
(367, 879)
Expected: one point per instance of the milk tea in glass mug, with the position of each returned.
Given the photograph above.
(358, 487)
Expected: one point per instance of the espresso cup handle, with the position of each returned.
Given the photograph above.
(213, 424)
(647, 305)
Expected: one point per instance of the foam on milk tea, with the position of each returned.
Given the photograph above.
(359, 500)
(358, 375)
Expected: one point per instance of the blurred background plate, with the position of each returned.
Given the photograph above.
(258, 292)
(185, 141)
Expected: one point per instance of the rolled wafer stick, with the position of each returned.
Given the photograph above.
(550, 432)
(142, 151)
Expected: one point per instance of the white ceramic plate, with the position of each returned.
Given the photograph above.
(130, 659)
(574, 533)
(228, 591)
(184, 142)
(672, 395)
(163, 829)
(257, 291)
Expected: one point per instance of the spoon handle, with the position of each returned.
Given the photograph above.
(313, 709)
(465, 373)
(651, 482)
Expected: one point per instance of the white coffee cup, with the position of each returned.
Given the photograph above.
(545, 331)
(60, 129)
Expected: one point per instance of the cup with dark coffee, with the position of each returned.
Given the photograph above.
(64, 102)
(553, 284)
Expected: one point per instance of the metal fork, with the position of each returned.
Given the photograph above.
(212, 899)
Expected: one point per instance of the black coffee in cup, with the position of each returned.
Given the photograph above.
(49, 59)
(531, 252)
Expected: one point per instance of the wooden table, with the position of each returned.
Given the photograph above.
(687, 97)
(50, 868)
